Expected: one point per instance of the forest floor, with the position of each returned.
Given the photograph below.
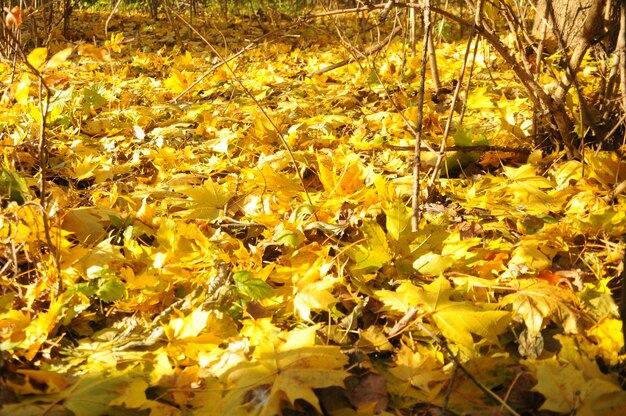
(236, 239)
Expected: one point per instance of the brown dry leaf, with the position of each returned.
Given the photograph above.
(370, 390)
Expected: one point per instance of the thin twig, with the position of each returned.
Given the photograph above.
(446, 131)
(256, 102)
(367, 52)
(407, 122)
(106, 24)
(212, 69)
(415, 204)
(44, 105)
(485, 148)
(255, 43)
(622, 65)
(411, 318)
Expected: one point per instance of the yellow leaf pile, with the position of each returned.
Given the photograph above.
(237, 240)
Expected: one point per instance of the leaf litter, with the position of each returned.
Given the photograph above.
(204, 273)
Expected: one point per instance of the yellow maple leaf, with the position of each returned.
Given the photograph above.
(22, 90)
(58, 58)
(349, 181)
(12, 325)
(572, 383)
(116, 42)
(421, 368)
(607, 334)
(187, 326)
(374, 252)
(176, 82)
(39, 329)
(37, 57)
(133, 395)
(284, 367)
(313, 295)
(38, 382)
(538, 303)
(307, 281)
(204, 201)
(456, 320)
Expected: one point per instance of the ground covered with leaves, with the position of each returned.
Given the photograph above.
(213, 262)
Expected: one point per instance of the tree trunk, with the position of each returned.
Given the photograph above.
(571, 22)
(571, 27)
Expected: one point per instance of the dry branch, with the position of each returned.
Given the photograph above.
(367, 52)
(552, 107)
(520, 150)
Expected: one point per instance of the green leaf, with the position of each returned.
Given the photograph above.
(110, 290)
(84, 288)
(12, 186)
(287, 238)
(93, 98)
(256, 289)
(465, 137)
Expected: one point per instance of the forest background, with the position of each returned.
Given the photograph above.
(312, 207)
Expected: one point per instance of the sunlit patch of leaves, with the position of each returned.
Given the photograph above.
(199, 277)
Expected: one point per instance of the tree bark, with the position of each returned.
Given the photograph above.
(569, 22)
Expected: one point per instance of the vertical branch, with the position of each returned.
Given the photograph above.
(432, 56)
(48, 17)
(561, 124)
(412, 25)
(446, 132)
(469, 82)
(622, 52)
(168, 14)
(584, 41)
(67, 14)
(106, 23)
(44, 105)
(622, 307)
(415, 219)
(538, 62)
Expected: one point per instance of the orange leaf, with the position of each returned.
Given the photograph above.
(13, 17)
(548, 276)
(92, 51)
